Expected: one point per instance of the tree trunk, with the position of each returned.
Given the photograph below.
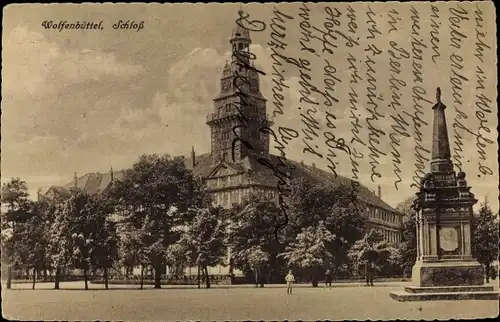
(9, 277)
(34, 278)
(142, 276)
(199, 282)
(207, 280)
(85, 278)
(256, 276)
(158, 275)
(56, 279)
(106, 278)
(231, 269)
(315, 278)
(487, 267)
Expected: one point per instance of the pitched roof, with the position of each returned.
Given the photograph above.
(57, 190)
(98, 182)
(90, 183)
(204, 164)
(364, 193)
(265, 176)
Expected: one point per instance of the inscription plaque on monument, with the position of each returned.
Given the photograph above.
(448, 239)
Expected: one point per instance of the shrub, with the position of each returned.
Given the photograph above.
(167, 280)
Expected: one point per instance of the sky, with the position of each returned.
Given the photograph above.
(86, 101)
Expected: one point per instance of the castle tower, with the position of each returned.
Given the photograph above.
(239, 109)
(444, 267)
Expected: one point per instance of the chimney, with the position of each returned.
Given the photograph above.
(75, 179)
(314, 165)
(301, 162)
(379, 192)
(193, 156)
(112, 174)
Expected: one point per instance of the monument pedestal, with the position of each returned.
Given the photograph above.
(447, 273)
(446, 280)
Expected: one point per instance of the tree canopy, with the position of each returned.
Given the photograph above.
(153, 199)
(158, 214)
(251, 235)
(485, 236)
(408, 247)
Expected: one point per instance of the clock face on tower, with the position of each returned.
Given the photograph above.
(254, 86)
(226, 85)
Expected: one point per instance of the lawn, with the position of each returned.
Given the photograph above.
(347, 302)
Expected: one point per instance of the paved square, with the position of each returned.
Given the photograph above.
(351, 302)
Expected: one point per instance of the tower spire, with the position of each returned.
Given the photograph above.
(441, 156)
(75, 178)
(240, 42)
(239, 79)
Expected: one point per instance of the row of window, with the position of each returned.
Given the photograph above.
(384, 215)
(237, 46)
(392, 236)
(227, 199)
(226, 135)
(228, 108)
(225, 182)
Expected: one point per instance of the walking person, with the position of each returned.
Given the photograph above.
(290, 279)
(369, 273)
(328, 278)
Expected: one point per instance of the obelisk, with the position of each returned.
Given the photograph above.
(444, 267)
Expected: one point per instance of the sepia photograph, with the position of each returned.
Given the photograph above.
(249, 161)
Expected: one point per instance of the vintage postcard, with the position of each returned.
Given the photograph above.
(226, 162)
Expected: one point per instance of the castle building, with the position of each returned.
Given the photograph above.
(234, 168)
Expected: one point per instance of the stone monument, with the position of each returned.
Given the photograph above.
(444, 267)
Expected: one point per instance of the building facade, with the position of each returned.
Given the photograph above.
(233, 170)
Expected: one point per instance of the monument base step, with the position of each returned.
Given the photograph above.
(449, 289)
(441, 295)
